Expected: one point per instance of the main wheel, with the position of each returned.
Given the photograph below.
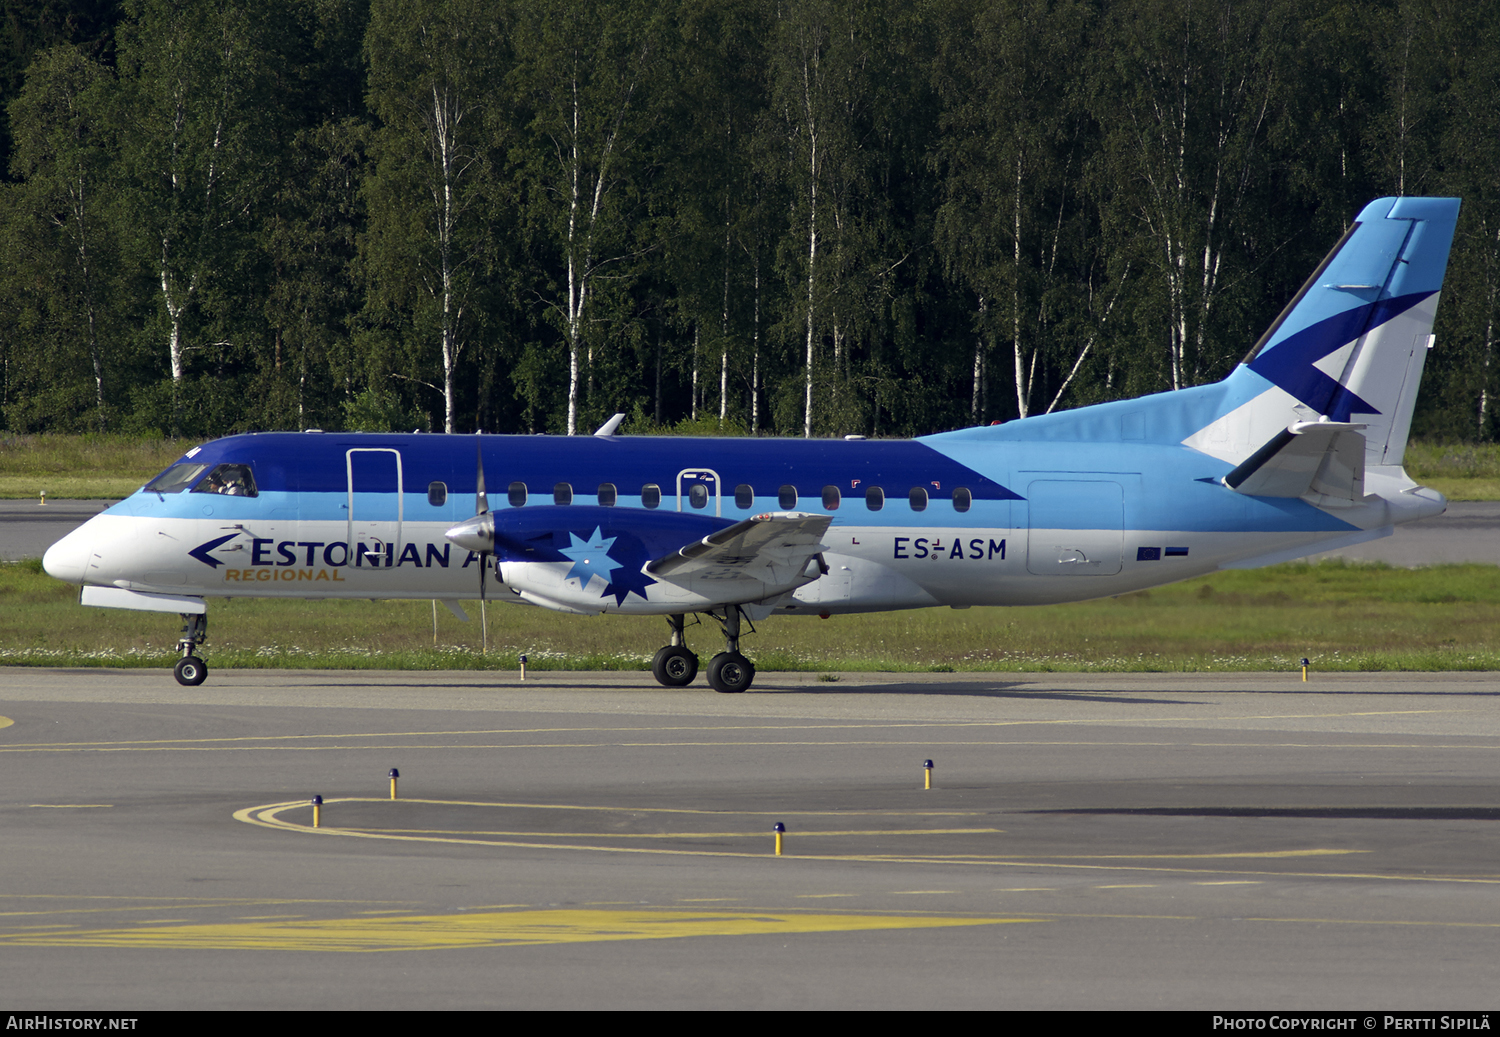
(191, 671)
(674, 666)
(730, 672)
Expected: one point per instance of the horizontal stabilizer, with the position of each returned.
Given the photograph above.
(771, 549)
(1309, 457)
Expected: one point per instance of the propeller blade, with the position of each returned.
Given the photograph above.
(481, 499)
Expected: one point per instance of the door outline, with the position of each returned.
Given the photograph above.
(706, 476)
(400, 504)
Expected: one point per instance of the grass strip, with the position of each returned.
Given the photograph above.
(1342, 616)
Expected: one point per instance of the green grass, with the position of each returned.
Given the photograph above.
(110, 467)
(82, 467)
(1342, 617)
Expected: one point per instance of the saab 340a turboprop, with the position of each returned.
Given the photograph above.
(1299, 450)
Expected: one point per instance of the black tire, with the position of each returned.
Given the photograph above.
(674, 667)
(730, 673)
(190, 671)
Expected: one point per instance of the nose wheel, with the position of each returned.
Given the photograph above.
(190, 670)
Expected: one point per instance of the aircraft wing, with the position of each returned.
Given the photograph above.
(768, 553)
(1325, 458)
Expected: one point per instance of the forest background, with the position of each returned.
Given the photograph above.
(872, 217)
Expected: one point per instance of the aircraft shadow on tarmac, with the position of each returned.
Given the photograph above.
(986, 690)
(975, 690)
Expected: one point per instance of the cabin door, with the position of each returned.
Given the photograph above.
(375, 507)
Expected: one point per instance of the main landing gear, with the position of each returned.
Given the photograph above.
(729, 672)
(191, 670)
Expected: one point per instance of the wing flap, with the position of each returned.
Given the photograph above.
(770, 550)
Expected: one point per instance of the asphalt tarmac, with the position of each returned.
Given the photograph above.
(1223, 842)
(1468, 532)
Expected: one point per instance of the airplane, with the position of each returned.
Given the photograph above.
(1299, 450)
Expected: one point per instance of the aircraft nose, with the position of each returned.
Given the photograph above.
(68, 559)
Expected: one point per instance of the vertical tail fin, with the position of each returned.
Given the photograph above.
(1351, 344)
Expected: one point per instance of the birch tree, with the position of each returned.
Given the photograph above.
(435, 67)
(1188, 91)
(62, 155)
(824, 62)
(196, 113)
(1012, 148)
(588, 77)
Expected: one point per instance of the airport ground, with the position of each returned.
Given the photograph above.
(589, 840)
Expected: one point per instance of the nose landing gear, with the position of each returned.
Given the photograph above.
(190, 670)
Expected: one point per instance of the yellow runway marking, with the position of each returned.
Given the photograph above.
(6, 721)
(69, 806)
(268, 816)
(469, 930)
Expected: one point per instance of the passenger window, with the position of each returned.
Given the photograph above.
(606, 495)
(962, 498)
(918, 498)
(874, 498)
(787, 498)
(698, 495)
(437, 494)
(517, 494)
(562, 493)
(232, 480)
(651, 495)
(830, 498)
(744, 497)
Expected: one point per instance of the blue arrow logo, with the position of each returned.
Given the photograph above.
(201, 551)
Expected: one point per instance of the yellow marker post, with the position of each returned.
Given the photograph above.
(523, 667)
(394, 775)
(317, 804)
(927, 768)
(1304, 671)
(780, 830)
(44, 496)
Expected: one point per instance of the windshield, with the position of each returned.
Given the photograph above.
(177, 478)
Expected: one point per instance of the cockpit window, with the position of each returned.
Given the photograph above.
(177, 478)
(232, 480)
